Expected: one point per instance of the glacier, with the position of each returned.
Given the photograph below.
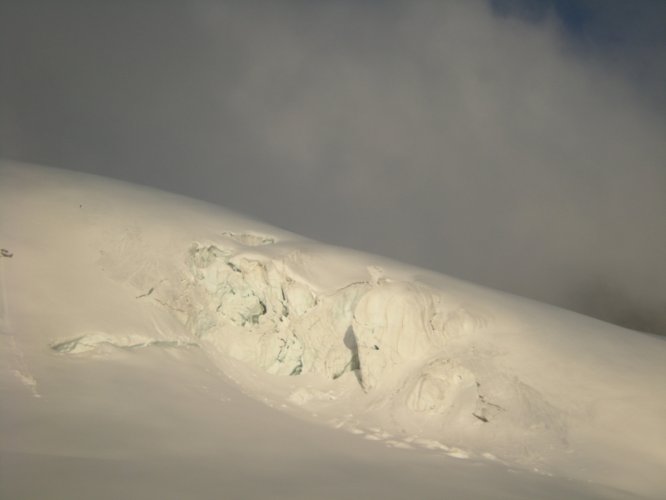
(107, 278)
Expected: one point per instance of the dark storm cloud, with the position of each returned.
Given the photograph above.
(515, 146)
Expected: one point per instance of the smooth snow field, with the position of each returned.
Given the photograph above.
(158, 347)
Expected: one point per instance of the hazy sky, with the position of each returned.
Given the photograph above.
(519, 144)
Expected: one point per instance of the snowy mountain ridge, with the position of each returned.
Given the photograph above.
(359, 342)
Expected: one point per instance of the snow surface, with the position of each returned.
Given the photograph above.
(154, 346)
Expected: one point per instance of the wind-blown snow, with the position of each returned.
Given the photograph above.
(419, 361)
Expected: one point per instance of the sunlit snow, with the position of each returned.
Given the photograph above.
(161, 334)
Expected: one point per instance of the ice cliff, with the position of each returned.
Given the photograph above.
(411, 350)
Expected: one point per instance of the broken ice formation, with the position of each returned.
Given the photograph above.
(260, 312)
(94, 341)
(404, 342)
(404, 348)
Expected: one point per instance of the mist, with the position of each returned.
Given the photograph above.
(516, 144)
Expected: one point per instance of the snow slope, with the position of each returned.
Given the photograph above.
(156, 346)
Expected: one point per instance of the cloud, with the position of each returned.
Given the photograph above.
(509, 149)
